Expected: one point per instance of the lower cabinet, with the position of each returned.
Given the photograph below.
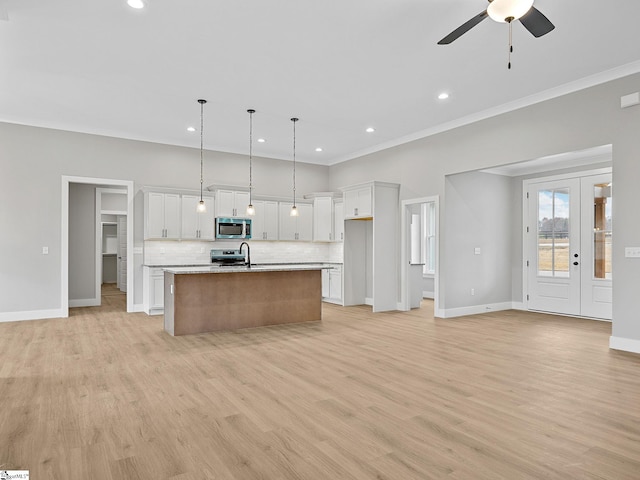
(153, 290)
(332, 285)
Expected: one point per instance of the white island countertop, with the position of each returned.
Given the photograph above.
(244, 269)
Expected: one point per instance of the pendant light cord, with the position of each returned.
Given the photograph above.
(202, 102)
(251, 112)
(510, 20)
(294, 120)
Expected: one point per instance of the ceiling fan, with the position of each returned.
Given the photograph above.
(506, 11)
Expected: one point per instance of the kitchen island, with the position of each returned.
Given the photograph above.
(214, 298)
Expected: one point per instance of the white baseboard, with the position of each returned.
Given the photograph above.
(518, 306)
(368, 301)
(84, 302)
(138, 307)
(474, 309)
(30, 315)
(624, 344)
(428, 295)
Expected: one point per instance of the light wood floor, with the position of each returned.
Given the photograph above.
(510, 395)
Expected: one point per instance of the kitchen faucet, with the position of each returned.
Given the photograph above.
(248, 261)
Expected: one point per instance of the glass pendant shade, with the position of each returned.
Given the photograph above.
(502, 10)
(201, 208)
(251, 210)
(294, 211)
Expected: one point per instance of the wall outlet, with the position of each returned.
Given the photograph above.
(476, 251)
(473, 291)
(632, 252)
(162, 251)
(45, 250)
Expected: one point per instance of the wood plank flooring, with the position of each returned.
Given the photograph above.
(508, 395)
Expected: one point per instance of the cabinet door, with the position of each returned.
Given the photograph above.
(172, 215)
(286, 223)
(305, 222)
(338, 222)
(350, 203)
(155, 215)
(241, 200)
(156, 299)
(271, 220)
(257, 221)
(325, 284)
(335, 284)
(206, 221)
(365, 207)
(225, 202)
(190, 217)
(322, 221)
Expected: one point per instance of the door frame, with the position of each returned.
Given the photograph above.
(525, 217)
(66, 180)
(99, 213)
(405, 301)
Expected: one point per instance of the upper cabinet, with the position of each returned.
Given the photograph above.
(358, 202)
(196, 225)
(162, 216)
(296, 228)
(265, 222)
(338, 221)
(231, 203)
(322, 219)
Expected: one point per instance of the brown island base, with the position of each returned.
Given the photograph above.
(210, 299)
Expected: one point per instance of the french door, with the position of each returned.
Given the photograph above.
(568, 246)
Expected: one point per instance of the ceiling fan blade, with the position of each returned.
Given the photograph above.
(464, 28)
(536, 22)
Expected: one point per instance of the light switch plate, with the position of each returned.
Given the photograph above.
(632, 252)
(45, 250)
(476, 251)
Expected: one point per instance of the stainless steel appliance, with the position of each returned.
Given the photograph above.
(227, 256)
(233, 228)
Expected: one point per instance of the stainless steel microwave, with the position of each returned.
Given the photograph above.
(236, 228)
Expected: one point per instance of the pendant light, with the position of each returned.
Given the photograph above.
(294, 208)
(250, 209)
(201, 208)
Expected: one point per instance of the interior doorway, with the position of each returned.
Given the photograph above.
(126, 189)
(419, 252)
(567, 244)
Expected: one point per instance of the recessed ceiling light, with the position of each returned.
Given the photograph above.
(261, 140)
(319, 149)
(370, 130)
(138, 4)
(191, 129)
(443, 96)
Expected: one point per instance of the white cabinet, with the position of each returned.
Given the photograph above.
(264, 223)
(358, 202)
(196, 225)
(230, 203)
(153, 290)
(322, 219)
(295, 228)
(162, 215)
(332, 285)
(338, 221)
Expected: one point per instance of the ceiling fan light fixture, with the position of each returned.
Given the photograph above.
(508, 10)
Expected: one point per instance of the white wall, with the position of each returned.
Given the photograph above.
(32, 162)
(577, 121)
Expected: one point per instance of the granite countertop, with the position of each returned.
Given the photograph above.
(279, 264)
(243, 269)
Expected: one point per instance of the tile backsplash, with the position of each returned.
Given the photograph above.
(189, 253)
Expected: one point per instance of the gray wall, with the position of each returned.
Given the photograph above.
(32, 162)
(82, 241)
(478, 210)
(577, 121)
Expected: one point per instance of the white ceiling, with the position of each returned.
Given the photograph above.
(340, 66)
